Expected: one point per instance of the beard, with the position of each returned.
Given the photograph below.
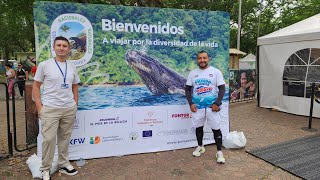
(203, 65)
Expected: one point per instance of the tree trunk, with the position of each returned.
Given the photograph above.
(6, 54)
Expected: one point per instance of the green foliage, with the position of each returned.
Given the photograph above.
(204, 26)
(16, 27)
(259, 17)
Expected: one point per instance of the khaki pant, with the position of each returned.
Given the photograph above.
(57, 126)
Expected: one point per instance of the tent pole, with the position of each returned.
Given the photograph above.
(239, 26)
(309, 128)
(258, 74)
(311, 106)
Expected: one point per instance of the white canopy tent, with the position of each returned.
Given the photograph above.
(248, 62)
(288, 62)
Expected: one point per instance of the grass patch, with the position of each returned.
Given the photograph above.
(3, 79)
(7, 174)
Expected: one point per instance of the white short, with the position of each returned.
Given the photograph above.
(213, 118)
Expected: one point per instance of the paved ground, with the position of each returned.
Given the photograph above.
(261, 126)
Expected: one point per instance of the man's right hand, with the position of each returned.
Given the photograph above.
(36, 95)
(39, 107)
(193, 108)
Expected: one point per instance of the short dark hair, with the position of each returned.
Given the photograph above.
(9, 65)
(60, 38)
(200, 52)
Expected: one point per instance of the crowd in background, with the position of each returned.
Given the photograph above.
(19, 75)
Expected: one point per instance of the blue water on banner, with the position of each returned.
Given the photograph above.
(122, 96)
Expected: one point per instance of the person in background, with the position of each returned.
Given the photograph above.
(246, 89)
(22, 76)
(10, 74)
(252, 89)
(204, 90)
(34, 68)
(57, 106)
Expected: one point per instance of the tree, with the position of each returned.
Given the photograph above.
(65, 29)
(17, 27)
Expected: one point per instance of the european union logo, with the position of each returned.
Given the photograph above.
(147, 133)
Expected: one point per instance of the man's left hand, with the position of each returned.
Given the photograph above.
(215, 108)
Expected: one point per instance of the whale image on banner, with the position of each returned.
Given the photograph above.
(157, 77)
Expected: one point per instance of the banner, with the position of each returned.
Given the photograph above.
(242, 84)
(133, 63)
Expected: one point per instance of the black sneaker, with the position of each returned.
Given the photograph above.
(69, 170)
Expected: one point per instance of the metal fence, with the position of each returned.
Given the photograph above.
(13, 122)
(6, 136)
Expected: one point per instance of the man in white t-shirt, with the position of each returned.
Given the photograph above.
(205, 89)
(57, 106)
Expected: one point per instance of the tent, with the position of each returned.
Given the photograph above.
(288, 61)
(248, 62)
(234, 56)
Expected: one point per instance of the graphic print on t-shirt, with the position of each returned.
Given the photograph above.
(203, 93)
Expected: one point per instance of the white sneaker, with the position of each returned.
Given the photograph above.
(45, 175)
(220, 158)
(69, 170)
(199, 150)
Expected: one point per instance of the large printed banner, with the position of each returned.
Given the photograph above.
(242, 84)
(133, 63)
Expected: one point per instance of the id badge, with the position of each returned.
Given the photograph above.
(64, 86)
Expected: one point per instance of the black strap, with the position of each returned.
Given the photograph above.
(316, 99)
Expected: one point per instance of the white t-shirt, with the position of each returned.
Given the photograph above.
(50, 76)
(205, 86)
(9, 73)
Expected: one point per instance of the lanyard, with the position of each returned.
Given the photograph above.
(65, 74)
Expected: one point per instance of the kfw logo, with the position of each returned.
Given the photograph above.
(77, 141)
(95, 140)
